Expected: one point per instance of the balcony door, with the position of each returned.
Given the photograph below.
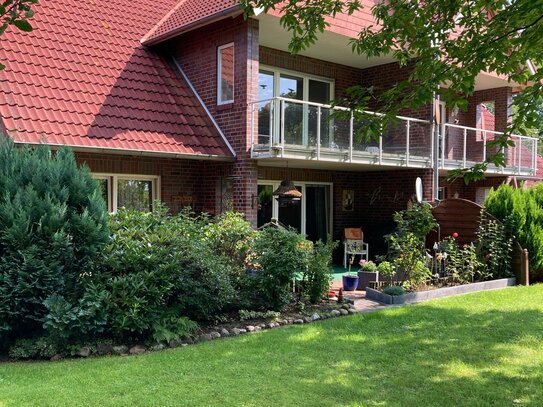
(298, 121)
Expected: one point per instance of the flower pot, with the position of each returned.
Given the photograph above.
(365, 278)
(350, 283)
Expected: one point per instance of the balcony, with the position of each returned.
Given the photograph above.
(309, 134)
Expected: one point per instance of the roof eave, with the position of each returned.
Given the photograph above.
(142, 153)
(230, 12)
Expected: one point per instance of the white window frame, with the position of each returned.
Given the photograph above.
(305, 77)
(113, 186)
(219, 74)
(275, 204)
(305, 96)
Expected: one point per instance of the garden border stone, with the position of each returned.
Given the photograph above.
(412, 298)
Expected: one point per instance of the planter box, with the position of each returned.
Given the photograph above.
(364, 279)
(411, 298)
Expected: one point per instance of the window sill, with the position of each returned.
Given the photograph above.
(225, 106)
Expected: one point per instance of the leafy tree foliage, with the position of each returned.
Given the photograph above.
(53, 224)
(447, 42)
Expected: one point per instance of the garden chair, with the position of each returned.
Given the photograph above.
(354, 245)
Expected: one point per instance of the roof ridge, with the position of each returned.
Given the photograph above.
(159, 23)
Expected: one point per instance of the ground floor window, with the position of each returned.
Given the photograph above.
(129, 191)
(312, 216)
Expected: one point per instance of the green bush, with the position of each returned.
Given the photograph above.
(39, 348)
(281, 254)
(417, 220)
(386, 271)
(53, 225)
(368, 266)
(157, 263)
(521, 211)
(394, 290)
(318, 275)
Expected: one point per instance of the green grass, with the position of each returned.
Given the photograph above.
(482, 349)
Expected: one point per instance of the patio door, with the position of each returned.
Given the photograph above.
(312, 216)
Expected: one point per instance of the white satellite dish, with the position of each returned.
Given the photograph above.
(418, 189)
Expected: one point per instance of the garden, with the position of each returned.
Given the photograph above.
(76, 281)
(411, 265)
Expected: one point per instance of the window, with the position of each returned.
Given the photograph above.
(300, 120)
(129, 191)
(225, 74)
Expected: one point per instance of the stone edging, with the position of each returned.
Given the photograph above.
(412, 298)
(124, 350)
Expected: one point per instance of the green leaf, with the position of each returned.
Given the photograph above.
(22, 25)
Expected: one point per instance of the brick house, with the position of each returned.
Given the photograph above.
(188, 102)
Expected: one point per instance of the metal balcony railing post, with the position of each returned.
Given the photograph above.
(484, 145)
(465, 147)
(407, 140)
(380, 149)
(520, 156)
(351, 131)
(282, 126)
(319, 133)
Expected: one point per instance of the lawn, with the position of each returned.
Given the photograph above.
(474, 350)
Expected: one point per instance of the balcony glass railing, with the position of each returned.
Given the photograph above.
(290, 128)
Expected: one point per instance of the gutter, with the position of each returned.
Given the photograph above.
(229, 12)
(140, 153)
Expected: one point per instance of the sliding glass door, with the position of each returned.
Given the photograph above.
(311, 216)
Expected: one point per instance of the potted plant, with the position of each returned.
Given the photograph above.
(368, 273)
(350, 281)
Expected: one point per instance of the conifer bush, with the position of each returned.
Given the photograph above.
(521, 211)
(53, 223)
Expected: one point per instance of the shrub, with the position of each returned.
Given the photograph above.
(318, 274)
(521, 212)
(409, 258)
(417, 220)
(281, 255)
(53, 225)
(38, 348)
(246, 314)
(394, 290)
(386, 270)
(495, 246)
(368, 266)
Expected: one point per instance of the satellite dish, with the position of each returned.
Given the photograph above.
(418, 189)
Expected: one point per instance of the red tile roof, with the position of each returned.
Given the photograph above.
(83, 79)
(185, 14)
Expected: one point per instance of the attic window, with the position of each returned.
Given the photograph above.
(225, 74)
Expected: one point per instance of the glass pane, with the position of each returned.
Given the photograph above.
(265, 85)
(291, 87)
(319, 92)
(265, 204)
(227, 74)
(104, 187)
(317, 212)
(265, 109)
(291, 214)
(135, 194)
(294, 123)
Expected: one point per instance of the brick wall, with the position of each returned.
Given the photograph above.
(183, 182)
(377, 195)
(470, 191)
(196, 52)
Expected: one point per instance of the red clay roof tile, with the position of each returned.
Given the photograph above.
(86, 81)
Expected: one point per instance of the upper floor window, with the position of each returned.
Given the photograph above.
(225, 74)
(129, 191)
